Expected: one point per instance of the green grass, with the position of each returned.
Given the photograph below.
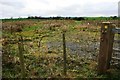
(42, 62)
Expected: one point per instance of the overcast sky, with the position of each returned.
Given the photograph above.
(23, 8)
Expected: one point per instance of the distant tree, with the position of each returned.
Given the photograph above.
(11, 18)
(114, 17)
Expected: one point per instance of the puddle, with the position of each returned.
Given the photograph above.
(74, 47)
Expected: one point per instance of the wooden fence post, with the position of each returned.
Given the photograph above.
(64, 53)
(21, 57)
(106, 47)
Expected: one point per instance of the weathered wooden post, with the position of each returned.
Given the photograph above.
(106, 47)
(64, 50)
(21, 57)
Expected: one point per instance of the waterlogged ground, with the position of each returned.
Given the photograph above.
(43, 49)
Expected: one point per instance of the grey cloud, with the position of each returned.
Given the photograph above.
(13, 3)
(106, 8)
(65, 11)
(44, 1)
(15, 9)
(88, 9)
(11, 8)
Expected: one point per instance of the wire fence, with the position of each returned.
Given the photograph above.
(69, 50)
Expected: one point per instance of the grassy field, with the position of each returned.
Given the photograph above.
(43, 49)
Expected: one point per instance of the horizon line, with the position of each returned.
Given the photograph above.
(53, 16)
